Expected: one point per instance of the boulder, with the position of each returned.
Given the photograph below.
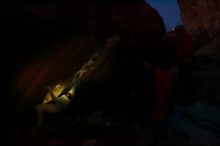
(201, 17)
(56, 38)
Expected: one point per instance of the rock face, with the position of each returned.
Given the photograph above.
(201, 17)
(54, 39)
(202, 21)
(88, 17)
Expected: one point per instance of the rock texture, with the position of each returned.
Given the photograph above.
(52, 39)
(201, 17)
(202, 21)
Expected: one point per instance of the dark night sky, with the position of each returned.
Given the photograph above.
(169, 10)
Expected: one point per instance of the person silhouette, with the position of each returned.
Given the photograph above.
(184, 58)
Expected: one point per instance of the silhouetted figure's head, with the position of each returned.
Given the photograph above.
(180, 29)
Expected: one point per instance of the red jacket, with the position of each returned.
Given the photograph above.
(164, 94)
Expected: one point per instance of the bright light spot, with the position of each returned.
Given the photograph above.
(57, 89)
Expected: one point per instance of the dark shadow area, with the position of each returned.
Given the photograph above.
(137, 92)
